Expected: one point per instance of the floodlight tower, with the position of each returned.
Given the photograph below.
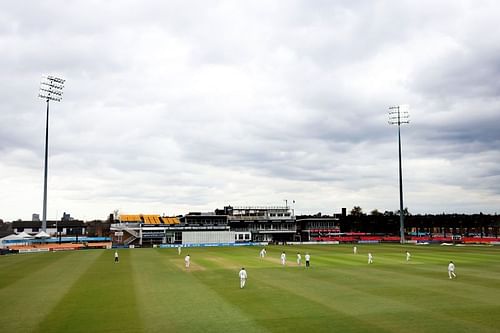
(51, 90)
(397, 116)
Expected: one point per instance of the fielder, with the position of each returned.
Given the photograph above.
(370, 258)
(355, 250)
(299, 259)
(408, 256)
(262, 253)
(187, 261)
(308, 258)
(243, 277)
(283, 258)
(179, 250)
(116, 257)
(451, 270)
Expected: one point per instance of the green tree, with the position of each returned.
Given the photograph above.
(357, 211)
(405, 212)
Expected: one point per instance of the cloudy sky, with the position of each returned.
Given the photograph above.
(178, 106)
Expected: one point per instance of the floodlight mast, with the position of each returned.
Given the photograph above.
(398, 117)
(51, 90)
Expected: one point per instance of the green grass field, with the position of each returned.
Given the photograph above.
(151, 291)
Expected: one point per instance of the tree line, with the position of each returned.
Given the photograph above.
(388, 223)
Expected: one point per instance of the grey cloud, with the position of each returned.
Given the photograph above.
(175, 105)
(469, 74)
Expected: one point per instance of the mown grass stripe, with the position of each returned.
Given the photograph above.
(15, 268)
(174, 299)
(30, 298)
(279, 302)
(361, 301)
(101, 300)
(280, 298)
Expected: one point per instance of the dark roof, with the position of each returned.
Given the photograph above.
(316, 218)
(50, 224)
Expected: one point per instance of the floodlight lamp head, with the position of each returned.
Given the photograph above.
(399, 115)
(49, 97)
(51, 88)
(51, 91)
(52, 85)
(55, 79)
